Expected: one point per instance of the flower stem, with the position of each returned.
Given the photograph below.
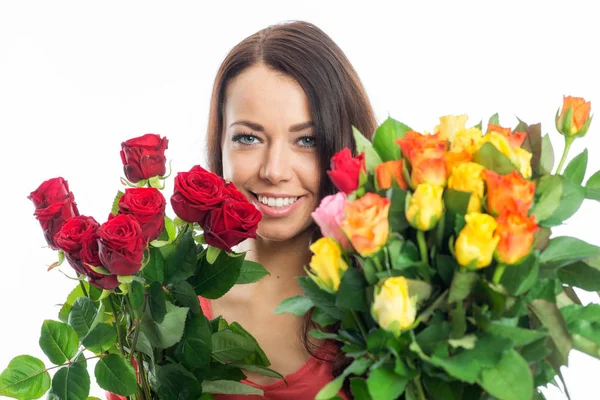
(568, 142)
(420, 390)
(361, 327)
(85, 293)
(114, 312)
(422, 246)
(498, 273)
(138, 327)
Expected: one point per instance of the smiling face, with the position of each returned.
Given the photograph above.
(269, 152)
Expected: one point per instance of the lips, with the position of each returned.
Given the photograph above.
(275, 205)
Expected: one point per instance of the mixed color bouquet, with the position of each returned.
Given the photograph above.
(437, 271)
(136, 308)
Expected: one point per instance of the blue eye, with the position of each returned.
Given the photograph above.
(307, 141)
(245, 138)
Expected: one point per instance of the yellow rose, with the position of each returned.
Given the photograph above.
(522, 159)
(476, 241)
(499, 141)
(327, 265)
(366, 224)
(468, 177)
(424, 207)
(468, 140)
(393, 308)
(450, 124)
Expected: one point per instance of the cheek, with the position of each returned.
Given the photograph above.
(238, 166)
(309, 173)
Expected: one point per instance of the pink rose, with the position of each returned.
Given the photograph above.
(329, 216)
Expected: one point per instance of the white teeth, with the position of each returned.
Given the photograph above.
(277, 201)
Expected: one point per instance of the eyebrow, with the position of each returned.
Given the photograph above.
(260, 128)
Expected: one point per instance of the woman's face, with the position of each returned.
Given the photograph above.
(269, 150)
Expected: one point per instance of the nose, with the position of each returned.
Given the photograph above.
(276, 165)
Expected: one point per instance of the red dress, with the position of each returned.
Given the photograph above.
(304, 384)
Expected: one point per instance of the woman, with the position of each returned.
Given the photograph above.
(284, 101)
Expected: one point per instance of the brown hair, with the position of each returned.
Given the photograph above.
(336, 96)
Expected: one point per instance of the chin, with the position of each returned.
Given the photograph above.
(280, 231)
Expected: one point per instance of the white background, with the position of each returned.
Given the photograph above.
(76, 79)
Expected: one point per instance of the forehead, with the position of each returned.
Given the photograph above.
(267, 97)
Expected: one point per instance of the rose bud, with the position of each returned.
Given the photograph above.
(393, 307)
(121, 245)
(450, 125)
(515, 139)
(54, 205)
(327, 265)
(425, 206)
(468, 177)
(144, 157)
(476, 241)
(345, 170)
(388, 172)
(230, 224)
(71, 238)
(329, 216)
(366, 224)
(516, 237)
(147, 205)
(508, 193)
(198, 192)
(427, 157)
(574, 118)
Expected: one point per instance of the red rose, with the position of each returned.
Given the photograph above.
(108, 282)
(73, 234)
(233, 193)
(144, 157)
(121, 245)
(231, 224)
(147, 205)
(54, 205)
(345, 170)
(196, 193)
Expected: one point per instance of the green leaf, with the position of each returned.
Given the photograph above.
(116, 374)
(157, 301)
(581, 275)
(535, 351)
(297, 305)
(322, 299)
(592, 187)
(136, 295)
(251, 272)
(532, 142)
(101, 338)
(510, 379)
(154, 271)
(384, 384)
(396, 214)
(331, 389)
(229, 346)
(491, 158)
(63, 314)
(363, 145)
(167, 236)
(351, 293)
(257, 369)
(212, 281)
(462, 285)
(58, 341)
(169, 331)
(440, 390)
(431, 336)
(212, 253)
(456, 201)
(563, 250)
(72, 382)
(181, 263)
(359, 389)
(258, 356)
(115, 205)
(230, 387)
(321, 318)
(519, 278)
(194, 349)
(549, 314)
(177, 383)
(385, 138)
(494, 119)
(185, 295)
(84, 316)
(571, 198)
(24, 378)
(519, 336)
(575, 170)
(548, 193)
(547, 160)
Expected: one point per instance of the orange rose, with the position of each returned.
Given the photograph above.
(387, 171)
(508, 193)
(454, 159)
(579, 121)
(515, 232)
(426, 154)
(366, 224)
(515, 139)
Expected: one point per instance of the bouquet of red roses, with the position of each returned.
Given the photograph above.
(136, 308)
